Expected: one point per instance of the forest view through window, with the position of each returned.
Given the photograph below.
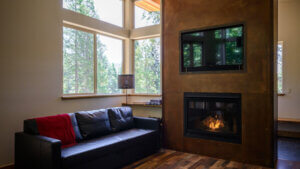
(146, 18)
(110, 11)
(79, 64)
(147, 66)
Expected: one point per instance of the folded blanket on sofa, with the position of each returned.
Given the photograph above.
(58, 127)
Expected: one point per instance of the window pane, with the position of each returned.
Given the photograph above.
(110, 11)
(145, 18)
(110, 59)
(147, 66)
(279, 68)
(78, 61)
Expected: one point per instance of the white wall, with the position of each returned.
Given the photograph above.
(289, 27)
(31, 68)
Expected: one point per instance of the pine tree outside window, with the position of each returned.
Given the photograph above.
(89, 67)
(110, 11)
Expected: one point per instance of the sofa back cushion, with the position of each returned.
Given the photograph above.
(93, 123)
(121, 118)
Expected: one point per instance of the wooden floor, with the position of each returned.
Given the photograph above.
(169, 159)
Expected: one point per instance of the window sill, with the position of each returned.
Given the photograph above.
(146, 95)
(281, 94)
(64, 97)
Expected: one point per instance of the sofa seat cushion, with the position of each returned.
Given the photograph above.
(96, 148)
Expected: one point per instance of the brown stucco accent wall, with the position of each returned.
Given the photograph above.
(255, 83)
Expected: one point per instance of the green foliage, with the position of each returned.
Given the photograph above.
(78, 57)
(147, 66)
(107, 72)
(78, 61)
(152, 17)
(85, 7)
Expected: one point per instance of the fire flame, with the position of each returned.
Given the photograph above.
(213, 122)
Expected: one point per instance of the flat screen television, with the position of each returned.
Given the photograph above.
(214, 49)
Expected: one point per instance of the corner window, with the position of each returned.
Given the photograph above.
(89, 67)
(147, 66)
(98, 9)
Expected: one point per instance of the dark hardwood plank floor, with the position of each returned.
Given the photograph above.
(169, 159)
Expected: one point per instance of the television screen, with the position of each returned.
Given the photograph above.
(213, 49)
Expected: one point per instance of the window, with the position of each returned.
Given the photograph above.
(78, 61)
(110, 11)
(79, 66)
(110, 59)
(279, 67)
(93, 56)
(147, 14)
(147, 66)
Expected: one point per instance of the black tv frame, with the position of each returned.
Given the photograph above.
(214, 68)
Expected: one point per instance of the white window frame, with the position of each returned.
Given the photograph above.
(95, 56)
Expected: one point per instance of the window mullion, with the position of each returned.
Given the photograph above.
(95, 64)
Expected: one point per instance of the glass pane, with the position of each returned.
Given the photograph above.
(145, 18)
(279, 68)
(110, 59)
(147, 66)
(78, 61)
(110, 11)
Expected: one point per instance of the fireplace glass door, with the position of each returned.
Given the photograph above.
(213, 116)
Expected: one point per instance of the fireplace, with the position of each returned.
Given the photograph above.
(215, 116)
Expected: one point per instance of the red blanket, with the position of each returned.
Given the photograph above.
(58, 127)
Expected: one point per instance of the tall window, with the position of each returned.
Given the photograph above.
(110, 11)
(279, 67)
(147, 66)
(83, 72)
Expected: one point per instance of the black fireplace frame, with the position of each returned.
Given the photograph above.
(233, 138)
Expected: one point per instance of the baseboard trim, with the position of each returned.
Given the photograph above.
(7, 166)
(289, 120)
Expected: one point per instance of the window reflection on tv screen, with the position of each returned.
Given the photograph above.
(213, 49)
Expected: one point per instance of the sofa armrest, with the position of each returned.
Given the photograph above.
(36, 152)
(147, 123)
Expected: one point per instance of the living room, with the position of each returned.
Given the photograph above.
(200, 83)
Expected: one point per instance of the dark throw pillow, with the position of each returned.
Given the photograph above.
(120, 118)
(93, 123)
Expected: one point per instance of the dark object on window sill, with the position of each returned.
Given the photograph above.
(281, 94)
